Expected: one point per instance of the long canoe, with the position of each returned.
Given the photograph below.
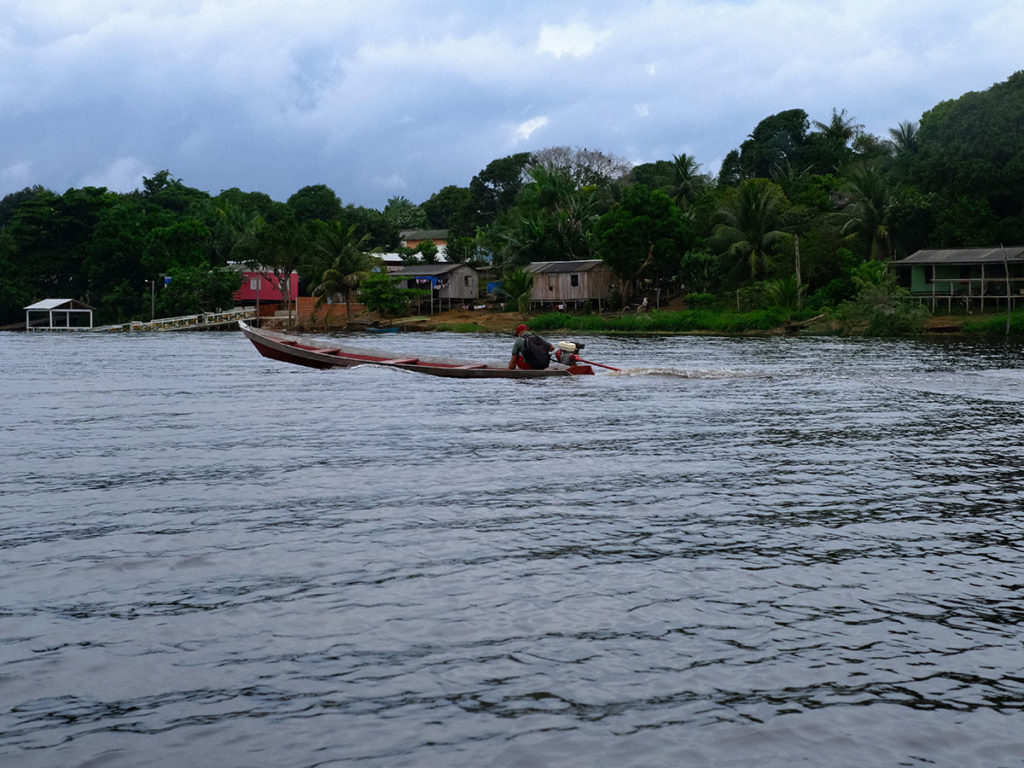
(289, 349)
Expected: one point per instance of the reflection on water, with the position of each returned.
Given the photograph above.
(734, 552)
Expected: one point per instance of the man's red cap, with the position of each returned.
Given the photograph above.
(520, 329)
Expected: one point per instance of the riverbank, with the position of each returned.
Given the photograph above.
(492, 321)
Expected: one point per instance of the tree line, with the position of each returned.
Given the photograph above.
(800, 207)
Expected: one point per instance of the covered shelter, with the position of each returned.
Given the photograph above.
(58, 315)
(448, 283)
(967, 276)
(563, 283)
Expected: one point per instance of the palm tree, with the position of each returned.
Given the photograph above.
(840, 129)
(345, 264)
(752, 223)
(869, 214)
(687, 180)
(904, 138)
(517, 284)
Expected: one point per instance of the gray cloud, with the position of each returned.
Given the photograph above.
(385, 98)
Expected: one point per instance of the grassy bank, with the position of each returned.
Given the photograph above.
(995, 325)
(664, 322)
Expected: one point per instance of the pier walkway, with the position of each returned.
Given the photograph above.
(201, 322)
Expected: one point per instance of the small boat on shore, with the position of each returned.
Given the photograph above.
(289, 349)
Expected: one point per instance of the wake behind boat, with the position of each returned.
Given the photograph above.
(289, 349)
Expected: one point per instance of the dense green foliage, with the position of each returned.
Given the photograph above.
(382, 293)
(787, 224)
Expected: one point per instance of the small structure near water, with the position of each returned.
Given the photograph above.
(448, 283)
(569, 282)
(58, 315)
(967, 276)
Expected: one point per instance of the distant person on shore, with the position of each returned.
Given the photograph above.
(530, 352)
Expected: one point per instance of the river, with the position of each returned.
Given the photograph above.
(735, 552)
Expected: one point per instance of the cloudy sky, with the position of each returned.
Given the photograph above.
(377, 98)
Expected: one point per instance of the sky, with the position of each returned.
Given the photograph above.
(385, 98)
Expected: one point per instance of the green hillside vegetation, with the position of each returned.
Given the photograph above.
(789, 227)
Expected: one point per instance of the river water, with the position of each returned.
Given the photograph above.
(736, 552)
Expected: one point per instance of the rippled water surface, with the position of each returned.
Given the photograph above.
(737, 552)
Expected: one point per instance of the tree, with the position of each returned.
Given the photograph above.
(581, 167)
(16, 288)
(403, 214)
(868, 215)
(828, 148)
(347, 264)
(496, 187)
(317, 201)
(699, 271)
(904, 138)
(687, 180)
(777, 143)
(50, 235)
(644, 235)
(373, 225)
(751, 224)
(880, 307)
(428, 250)
(235, 228)
(517, 285)
(563, 214)
(971, 146)
(450, 207)
(196, 288)
(381, 292)
(170, 194)
(279, 250)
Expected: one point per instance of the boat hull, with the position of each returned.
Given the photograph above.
(287, 349)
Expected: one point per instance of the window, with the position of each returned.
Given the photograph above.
(254, 283)
(574, 280)
(465, 281)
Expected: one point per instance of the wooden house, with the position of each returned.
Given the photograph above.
(262, 286)
(569, 283)
(449, 284)
(964, 277)
(414, 238)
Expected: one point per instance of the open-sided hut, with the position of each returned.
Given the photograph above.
(58, 314)
(569, 283)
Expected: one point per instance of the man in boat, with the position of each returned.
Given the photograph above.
(530, 352)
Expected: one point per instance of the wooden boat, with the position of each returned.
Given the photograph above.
(292, 350)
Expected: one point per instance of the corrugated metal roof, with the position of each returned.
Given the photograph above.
(423, 234)
(547, 267)
(47, 304)
(965, 256)
(415, 270)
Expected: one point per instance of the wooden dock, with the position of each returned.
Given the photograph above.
(207, 321)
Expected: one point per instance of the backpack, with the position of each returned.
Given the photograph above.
(535, 352)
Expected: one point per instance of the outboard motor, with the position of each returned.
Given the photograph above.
(565, 352)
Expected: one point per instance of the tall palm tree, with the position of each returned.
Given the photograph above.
(869, 214)
(344, 264)
(904, 137)
(840, 129)
(687, 180)
(751, 223)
